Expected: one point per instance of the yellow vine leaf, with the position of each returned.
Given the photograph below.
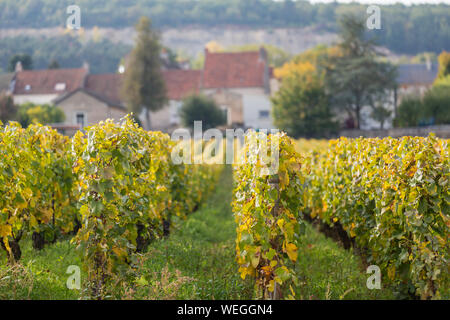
(5, 230)
(292, 251)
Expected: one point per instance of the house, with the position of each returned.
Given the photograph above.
(415, 79)
(412, 80)
(85, 99)
(179, 85)
(97, 100)
(240, 82)
(43, 86)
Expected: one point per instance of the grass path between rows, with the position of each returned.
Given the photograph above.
(197, 261)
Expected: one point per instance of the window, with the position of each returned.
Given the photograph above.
(263, 114)
(60, 86)
(27, 87)
(225, 113)
(81, 119)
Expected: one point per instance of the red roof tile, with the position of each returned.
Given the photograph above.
(181, 83)
(106, 86)
(233, 70)
(45, 81)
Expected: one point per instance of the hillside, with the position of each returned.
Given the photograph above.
(407, 30)
(192, 40)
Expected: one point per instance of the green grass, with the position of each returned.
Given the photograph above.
(197, 261)
(327, 271)
(39, 275)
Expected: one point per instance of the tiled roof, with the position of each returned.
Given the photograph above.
(181, 83)
(106, 86)
(45, 81)
(233, 70)
(417, 74)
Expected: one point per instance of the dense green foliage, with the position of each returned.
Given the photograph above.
(201, 108)
(70, 51)
(25, 60)
(269, 224)
(389, 197)
(195, 262)
(115, 187)
(436, 104)
(36, 183)
(405, 29)
(7, 108)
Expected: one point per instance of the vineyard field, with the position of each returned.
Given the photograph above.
(388, 199)
(112, 203)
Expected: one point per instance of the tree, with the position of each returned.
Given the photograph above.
(444, 65)
(319, 56)
(355, 77)
(380, 114)
(201, 108)
(144, 86)
(301, 106)
(25, 60)
(29, 113)
(214, 46)
(443, 77)
(7, 108)
(53, 64)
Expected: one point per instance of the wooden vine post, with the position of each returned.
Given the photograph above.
(277, 293)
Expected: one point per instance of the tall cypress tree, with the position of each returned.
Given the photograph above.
(144, 87)
(356, 78)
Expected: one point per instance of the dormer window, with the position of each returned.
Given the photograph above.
(27, 87)
(61, 86)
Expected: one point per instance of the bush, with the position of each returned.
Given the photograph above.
(436, 103)
(409, 112)
(30, 113)
(7, 108)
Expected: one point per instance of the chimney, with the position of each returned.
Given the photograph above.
(19, 67)
(86, 66)
(263, 54)
(266, 74)
(428, 64)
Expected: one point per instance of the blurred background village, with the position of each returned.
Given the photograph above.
(314, 70)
